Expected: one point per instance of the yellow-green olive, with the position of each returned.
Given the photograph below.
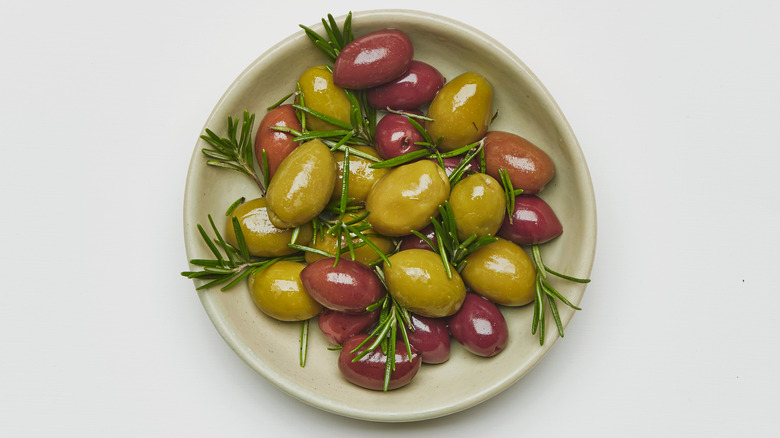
(322, 95)
(302, 185)
(461, 111)
(361, 175)
(363, 254)
(406, 198)
(478, 204)
(263, 239)
(416, 278)
(501, 272)
(277, 291)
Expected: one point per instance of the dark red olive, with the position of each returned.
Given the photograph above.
(413, 242)
(450, 163)
(339, 326)
(373, 59)
(276, 144)
(479, 326)
(529, 168)
(533, 221)
(395, 135)
(416, 87)
(349, 286)
(431, 338)
(369, 371)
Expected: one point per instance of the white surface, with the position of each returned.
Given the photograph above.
(674, 104)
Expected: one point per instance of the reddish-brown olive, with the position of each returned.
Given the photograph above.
(369, 371)
(349, 286)
(431, 338)
(414, 88)
(339, 326)
(373, 59)
(276, 144)
(395, 135)
(532, 222)
(529, 168)
(479, 326)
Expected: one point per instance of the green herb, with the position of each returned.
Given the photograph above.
(232, 152)
(337, 38)
(304, 341)
(509, 193)
(235, 204)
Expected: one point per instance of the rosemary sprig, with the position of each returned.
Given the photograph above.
(337, 38)
(233, 152)
(304, 341)
(509, 192)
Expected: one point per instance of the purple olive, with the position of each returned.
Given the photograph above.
(395, 135)
(450, 163)
(349, 286)
(532, 222)
(369, 371)
(413, 242)
(431, 338)
(416, 87)
(479, 326)
(339, 326)
(373, 59)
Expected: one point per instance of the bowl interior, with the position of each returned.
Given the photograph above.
(525, 108)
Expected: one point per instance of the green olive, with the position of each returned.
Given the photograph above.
(302, 185)
(361, 175)
(416, 278)
(461, 111)
(478, 204)
(407, 197)
(363, 254)
(322, 95)
(277, 291)
(263, 238)
(501, 272)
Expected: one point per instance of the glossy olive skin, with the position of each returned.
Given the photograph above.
(373, 59)
(431, 338)
(276, 144)
(413, 242)
(337, 327)
(416, 278)
(461, 111)
(529, 168)
(347, 287)
(406, 198)
(363, 254)
(369, 371)
(451, 163)
(414, 88)
(478, 205)
(361, 175)
(277, 291)
(322, 95)
(479, 326)
(501, 272)
(532, 222)
(302, 186)
(263, 239)
(395, 136)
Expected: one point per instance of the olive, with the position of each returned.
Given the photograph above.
(322, 95)
(501, 272)
(414, 88)
(430, 337)
(263, 239)
(532, 222)
(451, 163)
(369, 371)
(479, 326)
(361, 175)
(416, 278)
(346, 286)
(461, 111)
(406, 198)
(277, 291)
(528, 167)
(362, 253)
(478, 205)
(339, 326)
(276, 144)
(395, 135)
(412, 241)
(373, 59)
(302, 185)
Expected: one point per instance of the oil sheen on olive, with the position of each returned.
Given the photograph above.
(302, 185)
(369, 371)
(416, 87)
(406, 198)
(533, 222)
(461, 111)
(361, 175)
(373, 59)
(479, 326)
(277, 291)
(478, 204)
(430, 337)
(322, 95)
(263, 238)
(395, 135)
(529, 168)
(416, 278)
(337, 327)
(346, 286)
(501, 272)
(276, 144)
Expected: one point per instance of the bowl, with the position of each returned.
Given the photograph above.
(271, 347)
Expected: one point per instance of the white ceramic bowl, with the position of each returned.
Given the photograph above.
(525, 108)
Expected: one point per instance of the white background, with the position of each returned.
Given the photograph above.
(675, 104)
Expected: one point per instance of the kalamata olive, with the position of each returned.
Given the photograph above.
(478, 205)
(431, 338)
(406, 198)
(369, 371)
(413, 242)
(373, 59)
(395, 136)
(322, 95)
(348, 287)
(416, 278)
(363, 254)
(263, 239)
(276, 144)
(339, 326)
(414, 88)
(479, 326)
(361, 175)
(529, 168)
(277, 291)
(461, 111)
(451, 163)
(302, 185)
(533, 221)
(501, 272)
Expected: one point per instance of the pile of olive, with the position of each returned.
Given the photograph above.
(305, 177)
